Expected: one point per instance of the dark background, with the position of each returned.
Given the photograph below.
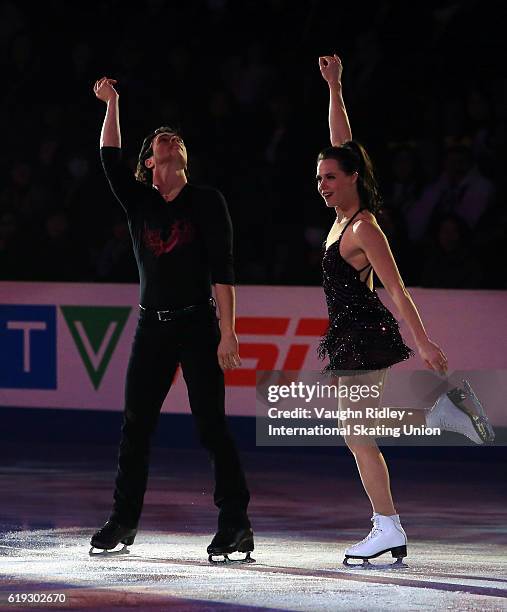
(424, 84)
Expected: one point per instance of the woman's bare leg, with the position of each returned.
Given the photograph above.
(375, 477)
(370, 461)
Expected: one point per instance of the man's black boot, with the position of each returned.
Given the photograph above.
(229, 540)
(111, 534)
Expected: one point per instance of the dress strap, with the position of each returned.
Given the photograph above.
(368, 265)
(349, 222)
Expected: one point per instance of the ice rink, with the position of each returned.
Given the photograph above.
(306, 509)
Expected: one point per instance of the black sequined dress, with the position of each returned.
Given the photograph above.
(362, 333)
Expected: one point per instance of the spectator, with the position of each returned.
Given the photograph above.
(116, 261)
(448, 261)
(405, 184)
(234, 92)
(14, 249)
(60, 256)
(461, 189)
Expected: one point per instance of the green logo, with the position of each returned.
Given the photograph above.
(96, 331)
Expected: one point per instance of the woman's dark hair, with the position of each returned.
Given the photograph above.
(352, 157)
(144, 174)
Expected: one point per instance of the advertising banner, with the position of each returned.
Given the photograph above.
(67, 345)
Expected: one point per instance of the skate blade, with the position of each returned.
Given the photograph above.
(226, 560)
(479, 419)
(100, 552)
(366, 565)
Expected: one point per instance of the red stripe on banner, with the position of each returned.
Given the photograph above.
(266, 355)
(296, 357)
(272, 326)
(311, 327)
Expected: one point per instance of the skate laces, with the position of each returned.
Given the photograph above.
(375, 530)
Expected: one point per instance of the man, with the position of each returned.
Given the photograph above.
(182, 238)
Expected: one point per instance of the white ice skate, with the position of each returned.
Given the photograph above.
(387, 535)
(460, 410)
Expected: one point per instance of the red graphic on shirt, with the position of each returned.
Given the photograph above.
(181, 233)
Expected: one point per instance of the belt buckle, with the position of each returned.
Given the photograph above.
(164, 315)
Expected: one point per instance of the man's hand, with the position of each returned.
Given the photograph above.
(104, 89)
(228, 352)
(331, 69)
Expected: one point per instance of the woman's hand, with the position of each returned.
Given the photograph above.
(104, 89)
(228, 351)
(331, 69)
(433, 356)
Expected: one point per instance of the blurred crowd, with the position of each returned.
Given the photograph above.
(424, 86)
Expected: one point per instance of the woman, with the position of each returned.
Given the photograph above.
(363, 337)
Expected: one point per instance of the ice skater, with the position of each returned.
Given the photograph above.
(182, 239)
(363, 337)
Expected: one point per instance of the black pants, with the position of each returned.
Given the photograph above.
(157, 349)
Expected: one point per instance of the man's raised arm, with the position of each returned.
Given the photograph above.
(120, 176)
(105, 91)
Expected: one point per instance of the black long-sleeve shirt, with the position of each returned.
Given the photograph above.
(181, 247)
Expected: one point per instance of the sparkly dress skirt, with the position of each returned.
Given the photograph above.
(364, 336)
(362, 333)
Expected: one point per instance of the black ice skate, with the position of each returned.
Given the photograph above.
(109, 536)
(229, 540)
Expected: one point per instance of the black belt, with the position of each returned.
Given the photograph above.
(171, 315)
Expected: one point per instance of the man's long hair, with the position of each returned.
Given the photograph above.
(144, 174)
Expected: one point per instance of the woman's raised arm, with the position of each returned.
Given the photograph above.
(339, 126)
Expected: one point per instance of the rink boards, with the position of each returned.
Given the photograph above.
(66, 346)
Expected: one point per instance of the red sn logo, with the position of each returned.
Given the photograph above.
(267, 353)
